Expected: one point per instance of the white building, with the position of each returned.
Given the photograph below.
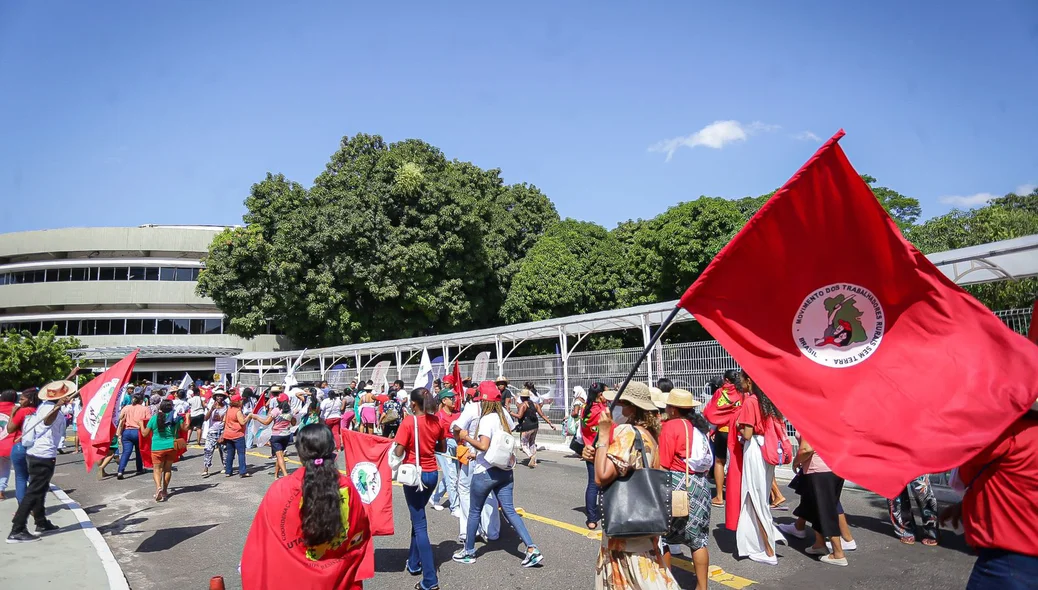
(120, 288)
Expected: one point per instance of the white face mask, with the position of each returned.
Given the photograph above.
(618, 416)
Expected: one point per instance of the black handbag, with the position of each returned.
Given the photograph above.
(577, 444)
(638, 504)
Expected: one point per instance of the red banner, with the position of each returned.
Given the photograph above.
(885, 366)
(367, 465)
(96, 425)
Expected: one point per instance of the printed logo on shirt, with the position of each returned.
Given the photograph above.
(839, 325)
(95, 410)
(366, 479)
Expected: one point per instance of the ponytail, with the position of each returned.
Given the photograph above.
(321, 508)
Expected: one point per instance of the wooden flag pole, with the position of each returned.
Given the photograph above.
(641, 358)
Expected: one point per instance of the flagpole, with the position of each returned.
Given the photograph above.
(652, 342)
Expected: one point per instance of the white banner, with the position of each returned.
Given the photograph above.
(479, 368)
(378, 374)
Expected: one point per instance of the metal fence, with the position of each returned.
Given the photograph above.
(690, 365)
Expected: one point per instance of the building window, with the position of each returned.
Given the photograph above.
(95, 274)
(198, 326)
(107, 274)
(185, 274)
(65, 274)
(164, 327)
(213, 327)
(167, 274)
(51, 275)
(136, 273)
(181, 326)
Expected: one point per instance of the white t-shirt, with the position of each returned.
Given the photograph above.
(488, 425)
(195, 403)
(181, 406)
(330, 409)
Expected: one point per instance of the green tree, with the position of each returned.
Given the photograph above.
(903, 210)
(27, 360)
(391, 241)
(572, 269)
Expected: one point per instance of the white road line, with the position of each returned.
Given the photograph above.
(116, 579)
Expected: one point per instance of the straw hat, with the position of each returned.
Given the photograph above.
(637, 393)
(659, 399)
(276, 389)
(501, 379)
(56, 390)
(682, 398)
(524, 393)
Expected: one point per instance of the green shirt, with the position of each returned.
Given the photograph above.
(162, 438)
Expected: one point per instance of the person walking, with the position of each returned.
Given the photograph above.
(42, 437)
(311, 529)
(131, 420)
(496, 477)
(196, 413)
(448, 460)
(572, 425)
(423, 433)
(28, 401)
(901, 512)
(280, 432)
(490, 518)
(214, 419)
(164, 428)
(234, 437)
(685, 452)
(331, 414)
(593, 412)
(10, 432)
(819, 489)
(721, 409)
(526, 413)
(629, 563)
(756, 534)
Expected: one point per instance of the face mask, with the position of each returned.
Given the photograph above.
(618, 416)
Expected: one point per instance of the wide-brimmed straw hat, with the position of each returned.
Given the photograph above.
(276, 389)
(637, 393)
(659, 399)
(56, 390)
(524, 393)
(501, 379)
(682, 398)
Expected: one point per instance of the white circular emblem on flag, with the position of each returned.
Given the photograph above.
(367, 480)
(839, 325)
(95, 410)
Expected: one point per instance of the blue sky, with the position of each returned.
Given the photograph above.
(166, 112)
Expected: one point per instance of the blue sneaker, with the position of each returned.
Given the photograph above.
(533, 558)
(462, 557)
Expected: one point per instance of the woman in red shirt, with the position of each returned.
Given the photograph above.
(8, 401)
(234, 437)
(588, 431)
(27, 402)
(430, 440)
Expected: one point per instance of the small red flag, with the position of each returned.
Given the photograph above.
(367, 465)
(886, 366)
(458, 387)
(95, 425)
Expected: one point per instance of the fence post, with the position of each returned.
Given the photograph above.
(564, 348)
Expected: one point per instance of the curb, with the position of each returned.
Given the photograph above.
(116, 578)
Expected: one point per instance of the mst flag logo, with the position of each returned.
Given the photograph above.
(367, 480)
(839, 325)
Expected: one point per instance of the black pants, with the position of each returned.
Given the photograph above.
(40, 473)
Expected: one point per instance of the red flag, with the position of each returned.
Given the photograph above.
(275, 555)
(458, 387)
(1032, 332)
(367, 464)
(887, 367)
(95, 425)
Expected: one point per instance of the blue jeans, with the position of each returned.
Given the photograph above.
(421, 553)
(448, 484)
(5, 473)
(1002, 570)
(21, 471)
(230, 447)
(591, 494)
(500, 482)
(131, 442)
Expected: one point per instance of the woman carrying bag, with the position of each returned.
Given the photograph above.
(630, 562)
(419, 438)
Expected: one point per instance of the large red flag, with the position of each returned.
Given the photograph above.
(95, 426)
(367, 463)
(887, 367)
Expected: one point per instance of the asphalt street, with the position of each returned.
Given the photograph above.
(200, 532)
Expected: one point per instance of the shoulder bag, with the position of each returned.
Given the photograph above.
(408, 474)
(638, 504)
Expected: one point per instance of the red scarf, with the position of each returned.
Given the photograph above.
(275, 555)
(719, 413)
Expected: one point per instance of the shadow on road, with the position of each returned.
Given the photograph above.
(164, 539)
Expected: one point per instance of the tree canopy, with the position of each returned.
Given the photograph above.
(27, 360)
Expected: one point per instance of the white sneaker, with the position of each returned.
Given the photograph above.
(763, 557)
(791, 530)
(847, 545)
(819, 551)
(437, 507)
(833, 561)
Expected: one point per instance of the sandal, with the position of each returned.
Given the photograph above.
(907, 540)
(158, 496)
(717, 504)
(929, 542)
(780, 506)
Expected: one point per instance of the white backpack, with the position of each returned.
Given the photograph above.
(501, 452)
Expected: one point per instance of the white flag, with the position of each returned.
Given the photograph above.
(425, 372)
(185, 383)
(290, 377)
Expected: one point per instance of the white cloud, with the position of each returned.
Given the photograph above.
(806, 136)
(715, 135)
(1025, 189)
(969, 200)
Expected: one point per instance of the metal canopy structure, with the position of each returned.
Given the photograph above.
(1013, 260)
(118, 352)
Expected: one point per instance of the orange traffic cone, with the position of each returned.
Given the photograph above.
(216, 583)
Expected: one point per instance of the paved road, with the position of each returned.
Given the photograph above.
(200, 531)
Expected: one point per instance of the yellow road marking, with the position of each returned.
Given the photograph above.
(716, 574)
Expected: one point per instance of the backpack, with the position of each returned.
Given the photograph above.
(777, 448)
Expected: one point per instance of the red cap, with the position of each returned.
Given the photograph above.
(283, 398)
(236, 398)
(171, 397)
(472, 393)
(488, 392)
(449, 379)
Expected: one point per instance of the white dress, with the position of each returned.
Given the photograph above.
(756, 483)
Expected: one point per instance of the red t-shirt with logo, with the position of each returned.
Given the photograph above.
(18, 419)
(430, 432)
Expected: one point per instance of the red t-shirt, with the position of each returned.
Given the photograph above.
(430, 432)
(18, 419)
(673, 450)
(446, 420)
(1000, 508)
(590, 426)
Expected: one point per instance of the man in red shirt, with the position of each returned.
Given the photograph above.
(1000, 509)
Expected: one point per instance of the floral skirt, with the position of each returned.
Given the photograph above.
(693, 530)
(632, 564)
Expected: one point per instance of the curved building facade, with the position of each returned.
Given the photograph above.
(119, 288)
